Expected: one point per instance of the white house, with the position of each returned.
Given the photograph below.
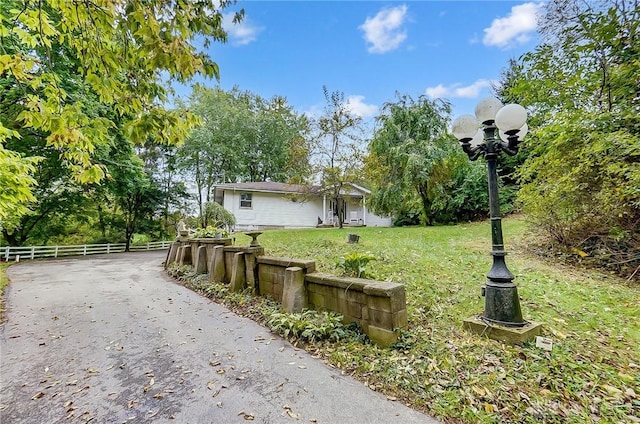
(264, 205)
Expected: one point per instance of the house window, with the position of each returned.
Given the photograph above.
(245, 200)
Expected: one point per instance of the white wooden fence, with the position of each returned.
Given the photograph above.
(32, 252)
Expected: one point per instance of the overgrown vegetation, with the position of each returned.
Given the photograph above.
(580, 182)
(591, 375)
(304, 327)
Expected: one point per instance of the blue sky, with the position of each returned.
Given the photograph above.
(370, 50)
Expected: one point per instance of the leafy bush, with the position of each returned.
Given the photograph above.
(309, 325)
(217, 216)
(211, 232)
(355, 264)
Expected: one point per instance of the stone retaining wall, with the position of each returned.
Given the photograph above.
(378, 307)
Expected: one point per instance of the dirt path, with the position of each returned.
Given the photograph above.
(112, 339)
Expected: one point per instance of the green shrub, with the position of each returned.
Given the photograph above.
(211, 231)
(355, 264)
(216, 215)
(309, 325)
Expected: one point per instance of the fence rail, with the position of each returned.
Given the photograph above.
(32, 252)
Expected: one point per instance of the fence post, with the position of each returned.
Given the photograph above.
(84, 250)
(6, 255)
(108, 247)
(55, 253)
(147, 246)
(33, 252)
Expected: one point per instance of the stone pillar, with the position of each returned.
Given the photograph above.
(294, 295)
(216, 266)
(251, 266)
(201, 260)
(237, 272)
(171, 256)
(184, 257)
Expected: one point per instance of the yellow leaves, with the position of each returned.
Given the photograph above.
(479, 391)
(19, 66)
(579, 252)
(16, 182)
(490, 408)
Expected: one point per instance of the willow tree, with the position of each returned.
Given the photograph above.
(416, 167)
(125, 52)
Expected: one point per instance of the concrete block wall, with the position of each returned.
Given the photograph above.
(378, 307)
(271, 274)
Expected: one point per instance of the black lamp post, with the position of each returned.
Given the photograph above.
(494, 129)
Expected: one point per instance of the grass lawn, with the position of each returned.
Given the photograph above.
(591, 375)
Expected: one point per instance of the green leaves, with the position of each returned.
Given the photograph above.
(355, 264)
(581, 180)
(17, 185)
(414, 161)
(62, 60)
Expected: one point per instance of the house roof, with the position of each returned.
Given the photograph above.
(269, 186)
(273, 187)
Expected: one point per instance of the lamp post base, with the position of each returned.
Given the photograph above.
(510, 335)
(502, 306)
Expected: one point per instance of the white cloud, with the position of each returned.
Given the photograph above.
(437, 91)
(457, 90)
(471, 91)
(356, 105)
(516, 28)
(242, 33)
(314, 112)
(384, 31)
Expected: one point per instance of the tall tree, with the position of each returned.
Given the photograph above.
(243, 137)
(338, 149)
(132, 198)
(414, 161)
(124, 51)
(160, 163)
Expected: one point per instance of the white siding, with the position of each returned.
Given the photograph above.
(378, 221)
(272, 210)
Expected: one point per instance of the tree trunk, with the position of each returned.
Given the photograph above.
(426, 206)
(101, 223)
(11, 239)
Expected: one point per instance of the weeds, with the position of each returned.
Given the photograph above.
(355, 264)
(310, 326)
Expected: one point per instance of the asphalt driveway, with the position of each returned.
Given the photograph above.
(112, 339)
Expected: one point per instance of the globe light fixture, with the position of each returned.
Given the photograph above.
(465, 127)
(494, 130)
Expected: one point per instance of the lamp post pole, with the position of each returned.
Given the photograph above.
(502, 304)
